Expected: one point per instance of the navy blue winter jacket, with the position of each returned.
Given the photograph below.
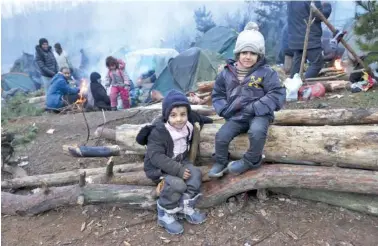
(260, 93)
(58, 88)
(298, 12)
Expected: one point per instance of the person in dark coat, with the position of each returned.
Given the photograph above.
(59, 89)
(298, 13)
(246, 93)
(168, 141)
(46, 62)
(100, 97)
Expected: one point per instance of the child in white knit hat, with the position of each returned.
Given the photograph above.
(246, 93)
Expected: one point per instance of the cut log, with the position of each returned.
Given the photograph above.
(334, 85)
(214, 192)
(92, 151)
(344, 146)
(133, 178)
(63, 178)
(37, 99)
(205, 86)
(129, 196)
(201, 109)
(357, 202)
(270, 176)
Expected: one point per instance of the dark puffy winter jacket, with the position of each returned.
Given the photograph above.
(100, 97)
(46, 62)
(158, 158)
(260, 93)
(298, 12)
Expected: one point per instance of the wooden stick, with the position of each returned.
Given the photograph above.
(195, 143)
(82, 179)
(333, 30)
(304, 54)
(109, 167)
(325, 78)
(92, 151)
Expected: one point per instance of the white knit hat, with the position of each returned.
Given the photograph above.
(250, 40)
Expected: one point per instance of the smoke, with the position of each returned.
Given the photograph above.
(100, 27)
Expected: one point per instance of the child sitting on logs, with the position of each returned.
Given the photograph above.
(166, 162)
(246, 93)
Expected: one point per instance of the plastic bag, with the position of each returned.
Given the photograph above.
(292, 87)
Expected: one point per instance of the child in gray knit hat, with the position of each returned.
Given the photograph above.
(246, 93)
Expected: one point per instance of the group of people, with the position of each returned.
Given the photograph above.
(246, 93)
(56, 73)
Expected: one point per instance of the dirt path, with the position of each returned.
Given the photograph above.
(275, 222)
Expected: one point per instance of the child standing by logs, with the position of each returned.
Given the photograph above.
(246, 93)
(119, 81)
(166, 162)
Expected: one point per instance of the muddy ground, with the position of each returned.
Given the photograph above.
(278, 221)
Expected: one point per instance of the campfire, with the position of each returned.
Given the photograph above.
(337, 64)
(83, 91)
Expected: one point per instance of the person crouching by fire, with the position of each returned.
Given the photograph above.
(119, 81)
(59, 89)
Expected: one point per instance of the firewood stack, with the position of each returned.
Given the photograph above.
(322, 155)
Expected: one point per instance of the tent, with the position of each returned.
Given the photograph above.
(219, 39)
(184, 71)
(17, 80)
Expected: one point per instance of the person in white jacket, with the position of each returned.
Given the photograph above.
(61, 57)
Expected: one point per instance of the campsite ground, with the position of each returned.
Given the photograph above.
(278, 221)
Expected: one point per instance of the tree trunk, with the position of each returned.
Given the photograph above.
(92, 151)
(335, 85)
(64, 177)
(52, 198)
(357, 202)
(344, 146)
(270, 176)
(214, 192)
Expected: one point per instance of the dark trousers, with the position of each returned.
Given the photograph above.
(175, 186)
(316, 59)
(257, 130)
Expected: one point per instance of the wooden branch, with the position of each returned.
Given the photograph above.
(82, 179)
(325, 78)
(333, 30)
(129, 196)
(195, 143)
(357, 202)
(92, 151)
(63, 178)
(344, 146)
(109, 167)
(37, 99)
(333, 85)
(270, 176)
(305, 45)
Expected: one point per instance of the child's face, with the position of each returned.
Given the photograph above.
(247, 59)
(112, 67)
(178, 117)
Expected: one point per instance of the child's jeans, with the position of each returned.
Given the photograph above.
(124, 92)
(257, 130)
(175, 186)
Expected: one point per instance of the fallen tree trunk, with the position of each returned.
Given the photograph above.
(63, 178)
(344, 146)
(357, 202)
(333, 85)
(92, 151)
(202, 109)
(214, 192)
(52, 198)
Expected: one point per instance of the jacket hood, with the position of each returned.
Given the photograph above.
(39, 48)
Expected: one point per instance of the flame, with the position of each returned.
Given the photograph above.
(337, 64)
(83, 91)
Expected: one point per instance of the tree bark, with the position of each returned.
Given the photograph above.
(64, 177)
(344, 146)
(270, 176)
(129, 196)
(357, 202)
(335, 85)
(214, 192)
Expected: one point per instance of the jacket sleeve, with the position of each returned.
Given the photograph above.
(107, 80)
(196, 117)
(126, 77)
(156, 153)
(325, 9)
(42, 65)
(99, 93)
(219, 95)
(66, 89)
(273, 100)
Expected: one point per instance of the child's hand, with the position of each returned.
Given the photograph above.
(186, 174)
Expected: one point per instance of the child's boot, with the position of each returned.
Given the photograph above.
(217, 170)
(188, 212)
(167, 220)
(241, 166)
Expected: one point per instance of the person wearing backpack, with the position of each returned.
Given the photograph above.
(119, 81)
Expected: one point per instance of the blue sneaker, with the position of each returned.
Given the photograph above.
(241, 166)
(217, 170)
(192, 215)
(167, 220)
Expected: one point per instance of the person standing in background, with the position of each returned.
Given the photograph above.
(46, 62)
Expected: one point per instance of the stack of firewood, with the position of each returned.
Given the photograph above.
(323, 155)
